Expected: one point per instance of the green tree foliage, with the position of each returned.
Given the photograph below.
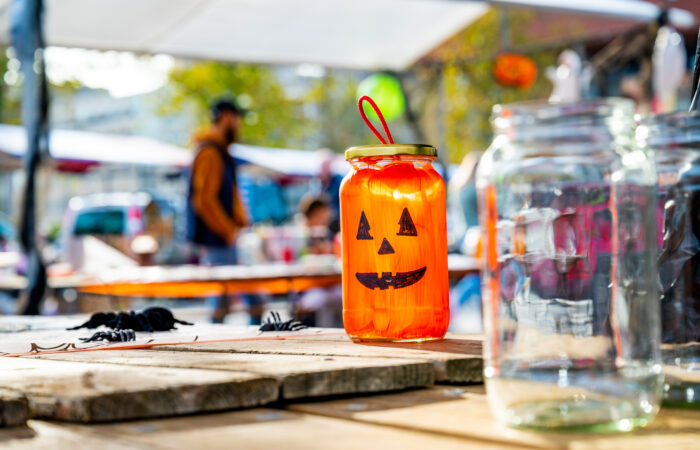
(468, 87)
(452, 92)
(324, 116)
(273, 119)
(337, 123)
(9, 94)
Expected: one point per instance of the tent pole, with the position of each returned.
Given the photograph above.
(27, 39)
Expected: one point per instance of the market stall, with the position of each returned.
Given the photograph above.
(587, 262)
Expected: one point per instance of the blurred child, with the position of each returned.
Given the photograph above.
(320, 307)
(318, 213)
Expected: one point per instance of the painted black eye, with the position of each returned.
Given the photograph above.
(363, 229)
(407, 228)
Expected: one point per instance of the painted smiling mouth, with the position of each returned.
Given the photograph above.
(372, 280)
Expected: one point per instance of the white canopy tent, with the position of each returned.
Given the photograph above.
(301, 163)
(357, 34)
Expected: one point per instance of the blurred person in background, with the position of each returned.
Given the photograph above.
(214, 209)
(461, 198)
(465, 297)
(330, 186)
(321, 307)
(12, 262)
(318, 214)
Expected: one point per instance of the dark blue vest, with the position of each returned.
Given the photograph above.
(198, 231)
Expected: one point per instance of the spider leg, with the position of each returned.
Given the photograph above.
(274, 323)
(97, 336)
(119, 322)
(295, 325)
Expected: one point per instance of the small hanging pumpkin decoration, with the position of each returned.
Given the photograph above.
(514, 70)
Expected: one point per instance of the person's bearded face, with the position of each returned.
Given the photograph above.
(232, 128)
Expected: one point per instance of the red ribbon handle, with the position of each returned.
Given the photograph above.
(381, 118)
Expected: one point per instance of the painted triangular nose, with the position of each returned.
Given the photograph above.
(386, 248)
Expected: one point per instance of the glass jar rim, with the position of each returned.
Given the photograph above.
(530, 112)
(390, 150)
(676, 119)
(680, 127)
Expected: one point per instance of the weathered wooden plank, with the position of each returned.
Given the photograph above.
(456, 359)
(300, 376)
(463, 412)
(83, 392)
(14, 410)
(251, 429)
(430, 418)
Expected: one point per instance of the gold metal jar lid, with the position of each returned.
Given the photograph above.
(390, 150)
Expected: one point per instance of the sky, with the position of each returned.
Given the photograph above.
(121, 73)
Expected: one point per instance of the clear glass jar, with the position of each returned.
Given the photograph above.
(566, 202)
(394, 245)
(674, 139)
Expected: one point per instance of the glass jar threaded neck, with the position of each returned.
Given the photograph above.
(568, 126)
(670, 131)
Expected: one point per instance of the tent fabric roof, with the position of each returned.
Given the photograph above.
(301, 163)
(357, 34)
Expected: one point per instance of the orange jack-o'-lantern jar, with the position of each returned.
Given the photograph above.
(394, 245)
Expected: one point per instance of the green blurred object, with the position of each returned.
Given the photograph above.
(386, 92)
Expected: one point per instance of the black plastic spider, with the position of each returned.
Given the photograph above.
(151, 319)
(275, 324)
(112, 336)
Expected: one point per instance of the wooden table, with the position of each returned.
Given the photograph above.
(293, 392)
(12, 282)
(201, 281)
